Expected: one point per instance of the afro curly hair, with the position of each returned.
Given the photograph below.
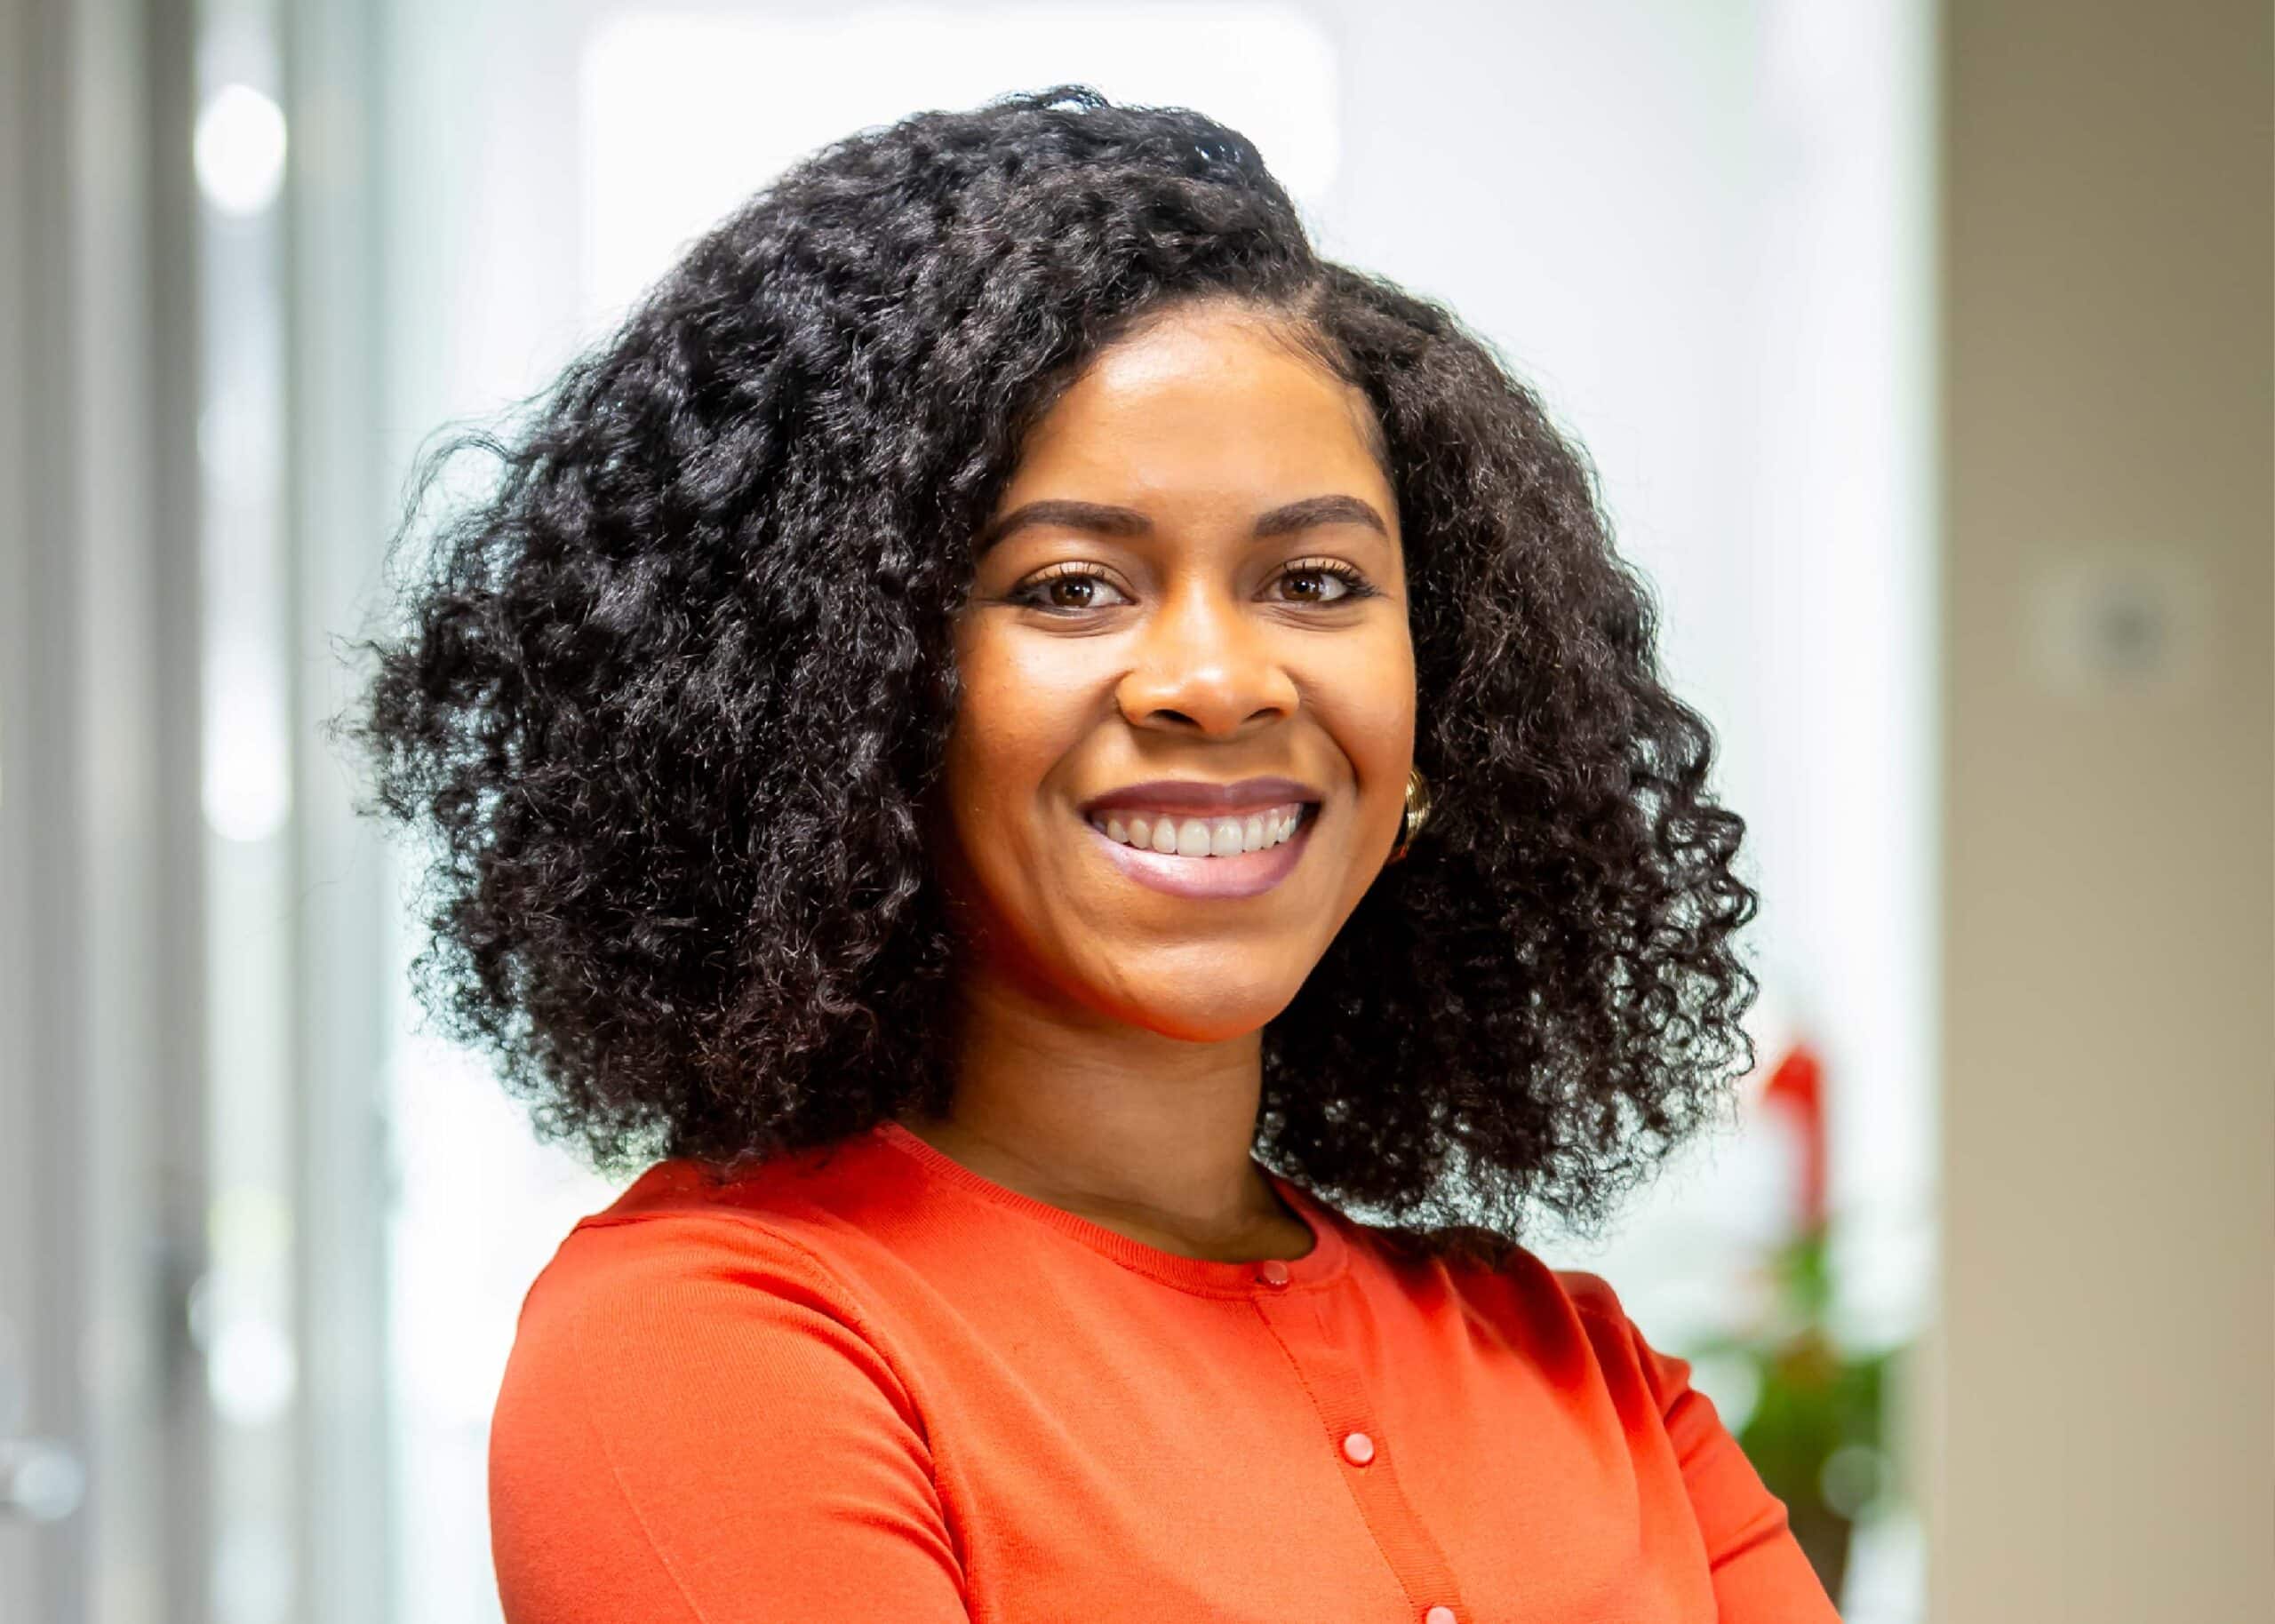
(668, 698)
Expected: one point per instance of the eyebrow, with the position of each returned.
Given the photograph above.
(1106, 520)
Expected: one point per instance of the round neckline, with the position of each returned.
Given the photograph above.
(1324, 1262)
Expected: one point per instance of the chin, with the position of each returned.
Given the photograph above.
(1229, 1012)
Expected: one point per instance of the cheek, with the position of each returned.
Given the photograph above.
(1019, 715)
(1369, 706)
(1384, 723)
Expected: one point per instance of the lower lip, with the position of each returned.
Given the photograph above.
(1248, 874)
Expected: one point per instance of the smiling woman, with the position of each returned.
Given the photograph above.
(1206, 494)
(916, 740)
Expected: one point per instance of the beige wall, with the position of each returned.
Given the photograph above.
(2099, 1409)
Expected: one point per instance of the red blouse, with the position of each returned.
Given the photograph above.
(870, 1384)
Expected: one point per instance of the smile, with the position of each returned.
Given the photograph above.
(1259, 849)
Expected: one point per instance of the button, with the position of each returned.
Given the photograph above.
(1438, 1615)
(1271, 1272)
(1357, 1448)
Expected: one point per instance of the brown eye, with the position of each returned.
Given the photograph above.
(1070, 591)
(1347, 582)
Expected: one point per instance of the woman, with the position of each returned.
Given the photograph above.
(1029, 743)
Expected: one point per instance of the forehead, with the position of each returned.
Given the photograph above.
(1198, 401)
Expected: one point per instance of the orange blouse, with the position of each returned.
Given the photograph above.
(867, 1383)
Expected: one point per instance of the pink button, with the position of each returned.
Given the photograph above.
(1357, 1448)
(1438, 1615)
(1271, 1272)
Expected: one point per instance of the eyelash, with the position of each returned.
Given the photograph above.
(1354, 585)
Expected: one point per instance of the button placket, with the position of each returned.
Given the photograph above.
(1339, 1397)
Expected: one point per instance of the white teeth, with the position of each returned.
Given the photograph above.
(1201, 837)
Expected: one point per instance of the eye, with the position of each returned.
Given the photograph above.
(1349, 582)
(1063, 589)
(1072, 589)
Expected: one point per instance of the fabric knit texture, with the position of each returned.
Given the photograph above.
(867, 1383)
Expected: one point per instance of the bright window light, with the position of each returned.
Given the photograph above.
(240, 150)
(684, 116)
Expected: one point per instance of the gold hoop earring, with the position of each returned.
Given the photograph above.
(1417, 813)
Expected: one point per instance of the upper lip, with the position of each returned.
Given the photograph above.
(1197, 795)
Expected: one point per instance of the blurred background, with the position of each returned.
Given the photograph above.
(1926, 355)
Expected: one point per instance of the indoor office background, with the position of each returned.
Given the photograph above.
(1924, 354)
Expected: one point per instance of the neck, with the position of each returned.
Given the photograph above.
(1142, 1133)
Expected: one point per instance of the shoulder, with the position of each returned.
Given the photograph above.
(1555, 1312)
(1631, 1364)
(682, 1268)
(669, 1313)
(1598, 1305)
(1479, 1262)
(684, 1240)
(691, 1400)
(1592, 1298)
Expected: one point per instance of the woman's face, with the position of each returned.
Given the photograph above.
(1196, 575)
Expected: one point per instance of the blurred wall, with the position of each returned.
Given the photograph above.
(2108, 1115)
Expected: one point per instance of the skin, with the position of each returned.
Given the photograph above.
(1109, 1036)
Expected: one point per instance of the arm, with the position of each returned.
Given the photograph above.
(1760, 1575)
(693, 1429)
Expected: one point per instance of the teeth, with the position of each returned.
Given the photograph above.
(1201, 837)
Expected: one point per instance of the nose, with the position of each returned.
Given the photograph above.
(1203, 665)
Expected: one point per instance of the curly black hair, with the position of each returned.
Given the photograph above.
(669, 695)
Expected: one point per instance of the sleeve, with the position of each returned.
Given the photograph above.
(694, 1427)
(1760, 1574)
